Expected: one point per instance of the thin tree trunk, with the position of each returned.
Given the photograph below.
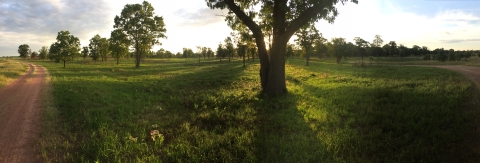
(244, 59)
(307, 56)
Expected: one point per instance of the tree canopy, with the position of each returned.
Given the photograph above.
(66, 46)
(306, 37)
(119, 44)
(141, 26)
(42, 53)
(280, 19)
(23, 50)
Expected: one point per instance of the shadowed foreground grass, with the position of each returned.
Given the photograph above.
(10, 70)
(183, 111)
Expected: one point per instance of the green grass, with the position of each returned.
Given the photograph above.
(472, 61)
(214, 112)
(10, 70)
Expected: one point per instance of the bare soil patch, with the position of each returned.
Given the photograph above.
(20, 117)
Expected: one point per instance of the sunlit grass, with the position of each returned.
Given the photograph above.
(184, 111)
(10, 70)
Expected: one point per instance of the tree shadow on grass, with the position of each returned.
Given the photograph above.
(284, 135)
(380, 124)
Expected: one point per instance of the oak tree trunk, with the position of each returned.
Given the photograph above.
(276, 79)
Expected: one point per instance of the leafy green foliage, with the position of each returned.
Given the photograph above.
(306, 37)
(99, 48)
(141, 26)
(66, 47)
(43, 52)
(23, 50)
(85, 52)
(337, 48)
(289, 17)
(119, 44)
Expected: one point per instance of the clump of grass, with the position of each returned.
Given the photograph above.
(183, 111)
(10, 70)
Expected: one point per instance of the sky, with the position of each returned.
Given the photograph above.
(190, 23)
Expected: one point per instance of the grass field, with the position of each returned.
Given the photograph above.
(183, 111)
(472, 61)
(10, 70)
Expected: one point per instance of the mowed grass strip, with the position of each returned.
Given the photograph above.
(10, 70)
(183, 111)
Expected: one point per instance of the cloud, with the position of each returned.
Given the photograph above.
(458, 40)
(200, 17)
(369, 18)
(37, 22)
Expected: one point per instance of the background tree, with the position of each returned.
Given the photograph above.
(336, 48)
(103, 48)
(290, 52)
(23, 50)
(403, 50)
(349, 49)
(306, 37)
(386, 50)
(221, 51)
(361, 47)
(66, 46)
(377, 41)
(33, 55)
(161, 53)
(285, 18)
(392, 48)
(119, 44)
(416, 50)
(210, 53)
(85, 52)
(141, 26)
(94, 47)
(451, 55)
(442, 55)
(187, 53)
(229, 49)
(320, 48)
(468, 54)
(377, 46)
(42, 53)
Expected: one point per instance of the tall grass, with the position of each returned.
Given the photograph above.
(183, 111)
(10, 70)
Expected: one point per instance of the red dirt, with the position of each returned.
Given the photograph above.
(20, 115)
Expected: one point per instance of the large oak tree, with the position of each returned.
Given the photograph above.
(142, 28)
(283, 18)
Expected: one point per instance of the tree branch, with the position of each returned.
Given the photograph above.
(256, 30)
(303, 19)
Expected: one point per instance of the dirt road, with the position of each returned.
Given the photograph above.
(20, 113)
(472, 73)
